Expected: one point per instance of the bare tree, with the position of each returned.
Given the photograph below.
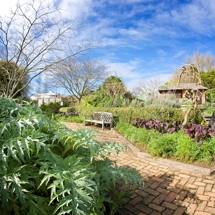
(204, 62)
(35, 37)
(148, 87)
(78, 77)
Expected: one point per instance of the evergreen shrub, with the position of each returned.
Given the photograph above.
(128, 114)
(50, 107)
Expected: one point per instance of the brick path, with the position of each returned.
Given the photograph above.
(168, 191)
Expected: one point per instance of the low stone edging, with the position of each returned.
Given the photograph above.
(162, 161)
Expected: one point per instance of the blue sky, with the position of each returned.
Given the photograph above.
(144, 39)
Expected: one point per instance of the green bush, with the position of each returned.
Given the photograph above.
(196, 117)
(50, 107)
(187, 149)
(207, 150)
(163, 101)
(47, 168)
(138, 136)
(129, 114)
(163, 145)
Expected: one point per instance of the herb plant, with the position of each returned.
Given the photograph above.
(46, 168)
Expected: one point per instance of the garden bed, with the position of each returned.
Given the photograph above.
(191, 155)
(195, 163)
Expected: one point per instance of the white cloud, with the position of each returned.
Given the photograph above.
(76, 8)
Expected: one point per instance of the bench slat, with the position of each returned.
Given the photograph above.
(100, 118)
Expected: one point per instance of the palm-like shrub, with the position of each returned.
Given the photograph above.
(46, 168)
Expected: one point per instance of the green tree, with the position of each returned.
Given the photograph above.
(111, 93)
(208, 79)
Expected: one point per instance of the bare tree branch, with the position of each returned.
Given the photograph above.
(148, 87)
(204, 62)
(35, 37)
(78, 77)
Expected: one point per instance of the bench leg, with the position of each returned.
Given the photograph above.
(102, 126)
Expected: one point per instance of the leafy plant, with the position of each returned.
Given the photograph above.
(50, 107)
(166, 100)
(46, 168)
(187, 149)
(197, 131)
(163, 145)
(156, 124)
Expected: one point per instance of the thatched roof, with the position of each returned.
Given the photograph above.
(182, 86)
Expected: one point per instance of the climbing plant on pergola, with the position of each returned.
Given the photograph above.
(190, 72)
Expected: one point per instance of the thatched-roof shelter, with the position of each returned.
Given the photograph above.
(180, 90)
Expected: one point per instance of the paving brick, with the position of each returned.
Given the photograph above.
(200, 190)
(155, 213)
(159, 199)
(199, 183)
(174, 182)
(203, 197)
(182, 195)
(186, 172)
(191, 186)
(155, 185)
(208, 187)
(171, 197)
(179, 211)
(201, 206)
(157, 179)
(153, 192)
(162, 190)
(199, 179)
(156, 207)
(211, 204)
(208, 181)
(136, 200)
(133, 195)
(123, 212)
(165, 184)
(168, 212)
(174, 189)
(211, 194)
(210, 210)
(191, 180)
(184, 176)
(130, 208)
(169, 205)
(142, 193)
(201, 213)
(143, 208)
(191, 209)
(148, 200)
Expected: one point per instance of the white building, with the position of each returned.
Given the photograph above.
(49, 97)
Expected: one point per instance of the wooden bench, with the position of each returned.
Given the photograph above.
(103, 118)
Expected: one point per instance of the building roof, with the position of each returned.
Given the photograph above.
(182, 86)
(50, 94)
